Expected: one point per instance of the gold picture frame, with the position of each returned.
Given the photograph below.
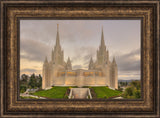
(13, 11)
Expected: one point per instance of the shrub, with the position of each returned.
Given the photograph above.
(23, 89)
(133, 91)
(137, 94)
(120, 89)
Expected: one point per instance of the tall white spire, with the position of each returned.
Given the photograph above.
(102, 53)
(57, 53)
(57, 37)
(102, 39)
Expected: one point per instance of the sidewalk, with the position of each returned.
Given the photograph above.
(27, 95)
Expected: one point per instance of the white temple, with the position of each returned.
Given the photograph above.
(57, 72)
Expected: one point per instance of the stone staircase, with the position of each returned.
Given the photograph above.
(80, 93)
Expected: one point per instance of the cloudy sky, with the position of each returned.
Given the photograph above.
(80, 39)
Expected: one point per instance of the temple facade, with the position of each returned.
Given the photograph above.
(101, 72)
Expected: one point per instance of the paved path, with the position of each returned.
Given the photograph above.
(118, 98)
(27, 95)
(80, 93)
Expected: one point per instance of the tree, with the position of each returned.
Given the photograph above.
(22, 89)
(137, 94)
(126, 83)
(135, 84)
(133, 90)
(24, 83)
(39, 82)
(120, 89)
(24, 79)
(128, 91)
(35, 81)
(32, 82)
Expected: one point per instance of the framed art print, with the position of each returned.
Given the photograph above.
(76, 67)
(80, 58)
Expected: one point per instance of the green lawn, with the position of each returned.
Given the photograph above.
(59, 92)
(54, 92)
(105, 92)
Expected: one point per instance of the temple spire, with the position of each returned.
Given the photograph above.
(69, 65)
(102, 39)
(57, 52)
(57, 37)
(52, 54)
(114, 61)
(68, 61)
(91, 60)
(91, 64)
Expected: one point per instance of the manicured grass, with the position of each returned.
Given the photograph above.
(54, 92)
(105, 92)
(59, 92)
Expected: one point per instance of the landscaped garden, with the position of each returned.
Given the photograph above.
(61, 92)
(29, 84)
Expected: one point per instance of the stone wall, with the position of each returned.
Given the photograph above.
(89, 80)
(70, 80)
(59, 81)
(96, 79)
(101, 81)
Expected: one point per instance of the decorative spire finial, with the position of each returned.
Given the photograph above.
(91, 64)
(57, 38)
(57, 27)
(69, 65)
(114, 61)
(102, 38)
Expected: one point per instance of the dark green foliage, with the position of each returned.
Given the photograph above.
(123, 83)
(129, 91)
(31, 82)
(22, 89)
(93, 93)
(23, 83)
(133, 90)
(39, 82)
(35, 81)
(137, 94)
(120, 89)
(136, 84)
(67, 93)
(24, 80)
